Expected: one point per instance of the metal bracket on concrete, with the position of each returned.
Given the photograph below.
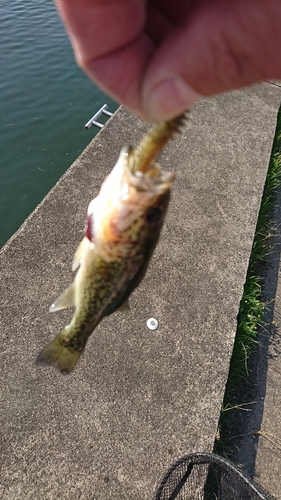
(93, 120)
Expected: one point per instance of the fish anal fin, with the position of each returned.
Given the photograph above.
(59, 356)
(124, 307)
(67, 299)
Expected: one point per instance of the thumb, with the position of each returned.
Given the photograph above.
(224, 45)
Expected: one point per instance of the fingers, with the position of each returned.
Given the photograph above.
(119, 73)
(114, 41)
(224, 45)
(97, 27)
(110, 44)
(158, 57)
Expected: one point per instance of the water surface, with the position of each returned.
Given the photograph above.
(45, 100)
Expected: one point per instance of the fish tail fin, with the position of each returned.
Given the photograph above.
(58, 355)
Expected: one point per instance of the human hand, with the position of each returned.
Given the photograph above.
(158, 57)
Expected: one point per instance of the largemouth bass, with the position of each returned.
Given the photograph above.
(122, 228)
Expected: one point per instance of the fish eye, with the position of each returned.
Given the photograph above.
(153, 215)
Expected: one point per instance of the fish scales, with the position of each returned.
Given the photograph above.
(103, 279)
(122, 228)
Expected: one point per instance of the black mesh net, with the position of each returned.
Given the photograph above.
(203, 476)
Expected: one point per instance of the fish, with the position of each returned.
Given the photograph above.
(122, 228)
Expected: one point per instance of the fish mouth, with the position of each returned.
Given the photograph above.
(135, 190)
(154, 179)
(127, 187)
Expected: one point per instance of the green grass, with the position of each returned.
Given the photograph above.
(252, 308)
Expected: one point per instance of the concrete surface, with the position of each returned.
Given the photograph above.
(138, 399)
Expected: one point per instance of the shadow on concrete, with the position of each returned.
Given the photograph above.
(245, 424)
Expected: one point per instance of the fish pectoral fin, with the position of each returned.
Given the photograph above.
(81, 249)
(67, 299)
(124, 307)
(59, 356)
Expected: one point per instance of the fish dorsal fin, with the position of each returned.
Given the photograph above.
(124, 307)
(79, 253)
(67, 299)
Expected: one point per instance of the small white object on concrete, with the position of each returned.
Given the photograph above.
(152, 324)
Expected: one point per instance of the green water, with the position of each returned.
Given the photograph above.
(45, 101)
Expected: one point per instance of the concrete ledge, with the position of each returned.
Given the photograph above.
(138, 399)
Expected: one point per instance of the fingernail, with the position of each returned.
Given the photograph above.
(170, 98)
